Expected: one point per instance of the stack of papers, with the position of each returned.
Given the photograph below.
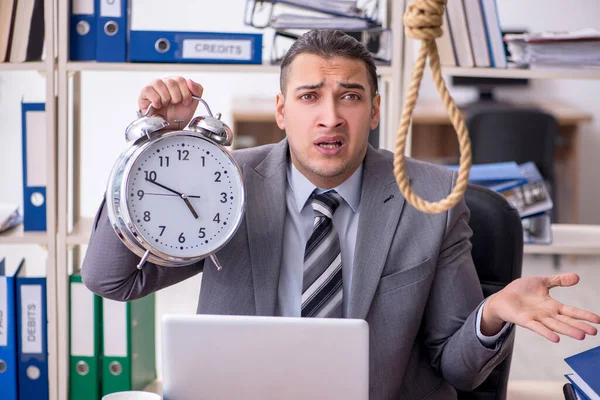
(525, 189)
(9, 216)
(579, 49)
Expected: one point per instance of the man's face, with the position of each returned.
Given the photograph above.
(327, 112)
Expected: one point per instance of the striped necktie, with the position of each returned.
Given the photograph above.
(322, 281)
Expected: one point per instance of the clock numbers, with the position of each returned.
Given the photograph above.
(217, 218)
(202, 233)
(162, 229)
(181, 238)
(183, 155)
(218, 175)
(164, 161)
(223, 197)
(203, 161)
(147, 216)
(140, 194)
(150, 175)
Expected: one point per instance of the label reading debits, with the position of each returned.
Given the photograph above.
(217, 49)
(31, 319)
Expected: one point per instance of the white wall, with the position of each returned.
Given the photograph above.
(110, 101)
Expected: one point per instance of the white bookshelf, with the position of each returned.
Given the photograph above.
(46, 240)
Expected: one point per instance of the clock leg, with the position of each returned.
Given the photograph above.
(216, 261)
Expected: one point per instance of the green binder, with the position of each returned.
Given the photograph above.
(129, 349)
(85, 341)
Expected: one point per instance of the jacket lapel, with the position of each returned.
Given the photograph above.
(379, 216)
(265, 216)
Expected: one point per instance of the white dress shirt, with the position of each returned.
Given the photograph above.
(298, 228)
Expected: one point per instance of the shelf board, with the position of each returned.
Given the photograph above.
(26, 66)
(523, 73)
(18, 236)
(227, 68)
(570, 239)
(80, 235)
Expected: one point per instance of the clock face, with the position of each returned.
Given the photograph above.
(184, 196)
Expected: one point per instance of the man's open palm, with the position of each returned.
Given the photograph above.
(527, 302)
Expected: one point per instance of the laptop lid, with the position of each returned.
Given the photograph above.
(252, 358)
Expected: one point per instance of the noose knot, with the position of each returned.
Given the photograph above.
(423, 19)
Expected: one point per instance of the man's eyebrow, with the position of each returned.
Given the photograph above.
(310, 87)
(350, 85)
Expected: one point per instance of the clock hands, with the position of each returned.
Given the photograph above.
(187, 202)
(189, 196)
(182, 195)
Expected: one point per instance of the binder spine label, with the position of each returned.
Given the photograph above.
(3, 312)
(217, 49)
(115, 328)
(82, 321)
(82, 7)
(31, 319)
(110, 8)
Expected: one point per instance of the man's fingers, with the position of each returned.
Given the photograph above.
(588, 329)
(147, 97)
(186, 94)
(578, 313)
(562, 328)
(161, 88)
(195, 88)
(539, 328)
(174, 91)
(564, 280)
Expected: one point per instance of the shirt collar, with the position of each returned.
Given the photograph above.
(302, 188)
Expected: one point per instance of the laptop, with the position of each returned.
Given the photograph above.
(263, 358)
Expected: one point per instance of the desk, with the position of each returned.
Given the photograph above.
(517, 390)
(534, 390)
(434, 139)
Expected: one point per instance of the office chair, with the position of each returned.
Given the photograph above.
(498, 256)
(501, 132)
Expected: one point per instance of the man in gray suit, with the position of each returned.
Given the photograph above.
(409, 274)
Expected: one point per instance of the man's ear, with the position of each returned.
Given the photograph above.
(375, 109)
(280, 111)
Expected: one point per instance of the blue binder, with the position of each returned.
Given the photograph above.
(111, 45)
(32, 335)
(195, 47)
(8, 332)
(33, 123)
(586, 365)
(82, 31)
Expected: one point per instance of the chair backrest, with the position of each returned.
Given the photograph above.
(498, 256)
(508, 133)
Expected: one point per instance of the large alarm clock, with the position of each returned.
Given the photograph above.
(175, 197)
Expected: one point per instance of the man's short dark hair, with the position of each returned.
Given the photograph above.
(328, 43)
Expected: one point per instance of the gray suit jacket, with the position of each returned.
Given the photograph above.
(413, 281)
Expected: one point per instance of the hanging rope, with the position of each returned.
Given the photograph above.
(423, 21)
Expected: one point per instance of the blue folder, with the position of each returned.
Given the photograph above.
(111, 45)
(195, 47)
(32, 328)
(8, 333)
(82, 30)
(34, 166)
